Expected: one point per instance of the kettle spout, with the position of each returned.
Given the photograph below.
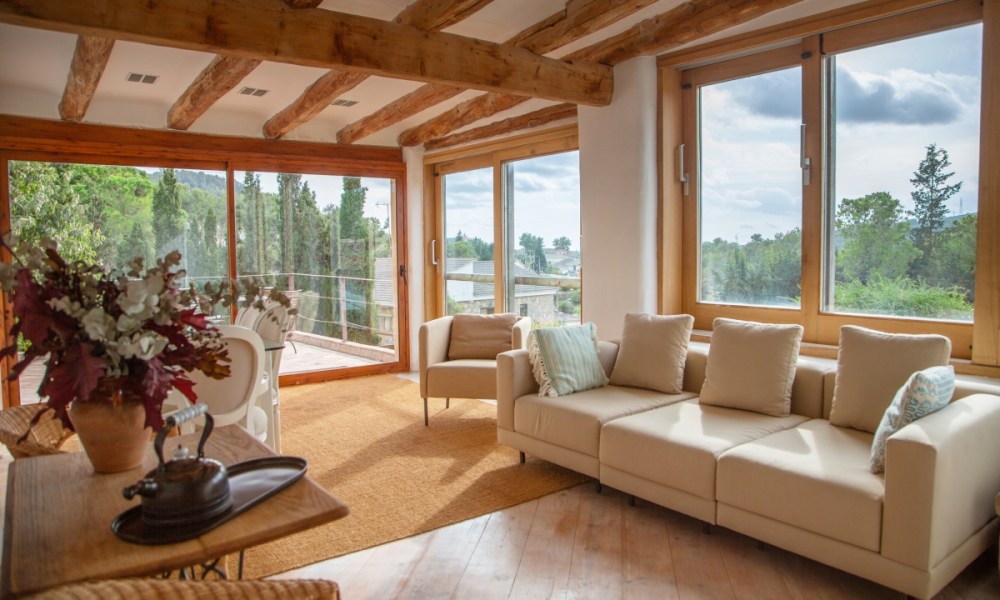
(145, 487)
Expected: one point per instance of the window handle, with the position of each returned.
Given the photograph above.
(434, 259)
(681, 173)
(805, 163)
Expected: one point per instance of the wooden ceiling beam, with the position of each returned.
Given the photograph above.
(579, 18)
(216, 80)
(89, 59)
(537, 118)
(270, 30)
(689, 21)
(428, 15)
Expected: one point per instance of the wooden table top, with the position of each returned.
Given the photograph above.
(58, 519)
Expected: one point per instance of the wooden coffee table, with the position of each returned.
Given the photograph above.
(58, 518)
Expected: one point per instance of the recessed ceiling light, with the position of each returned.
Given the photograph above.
(249, 91)
(344, 103)
(141, 78)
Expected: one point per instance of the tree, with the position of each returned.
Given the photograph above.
(357, 263)
(561, 243)
(876, 238)
(955, 257)
(533, 255)
(931, 192)
(289, 185)
(168, 216)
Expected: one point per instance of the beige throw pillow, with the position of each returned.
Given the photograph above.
(480, 336)
(872, 365)
(751, 366)
(653, 351)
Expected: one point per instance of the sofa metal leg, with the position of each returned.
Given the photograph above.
(426, 421)
(706, 528)
(447, 402)
(599, 487)
(631, 500)
(522, 457)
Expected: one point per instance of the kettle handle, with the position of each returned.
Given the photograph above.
(183, 416)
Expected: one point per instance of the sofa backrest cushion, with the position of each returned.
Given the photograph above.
(751, 366)
(607, 353)
(480, 336)
(872, 366)
(652, 352)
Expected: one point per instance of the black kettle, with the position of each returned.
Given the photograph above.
(187, 490)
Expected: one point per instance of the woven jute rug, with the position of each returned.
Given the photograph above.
(366, 443)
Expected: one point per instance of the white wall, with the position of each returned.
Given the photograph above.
(618, 178)
(414, 159)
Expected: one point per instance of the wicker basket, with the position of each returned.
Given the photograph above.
(46, 437)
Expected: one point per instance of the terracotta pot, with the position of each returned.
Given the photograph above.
(112, 435)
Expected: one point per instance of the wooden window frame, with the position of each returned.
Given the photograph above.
(30, 139)
(489, 154)
(976, 345)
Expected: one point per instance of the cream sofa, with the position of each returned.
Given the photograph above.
(797, 482)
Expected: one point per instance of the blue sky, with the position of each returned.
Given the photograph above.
(892, 101)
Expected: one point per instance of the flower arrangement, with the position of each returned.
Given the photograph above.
(135, 333)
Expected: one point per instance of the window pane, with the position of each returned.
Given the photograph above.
(751, 190)
(905, 188)
(327, 241)
(468, 226)
(543, 262)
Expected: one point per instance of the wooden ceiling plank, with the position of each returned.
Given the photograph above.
(311, 102)
(466, 113)
(220, 76)
(530, 120)
(689, 21)
(89, 59)
(428, 15)
(579, 18)
(269, 30)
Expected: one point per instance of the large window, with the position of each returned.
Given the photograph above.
(468, 247)
(836, 180)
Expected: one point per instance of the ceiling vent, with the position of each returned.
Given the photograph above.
(249, 91)
(344, 103)
(141, 78)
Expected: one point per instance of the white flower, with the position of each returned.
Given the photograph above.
(65, 305)
(144, 346)
(141, 296)
(127, 324)
(98, 324)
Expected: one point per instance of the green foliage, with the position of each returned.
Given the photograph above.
(168, 216)
(902, 296)
(532, 254)
(930, 193)
(763, 271)
(357, 261)
(876, 238)
(561, 243)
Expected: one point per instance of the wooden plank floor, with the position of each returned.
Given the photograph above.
(581, 544)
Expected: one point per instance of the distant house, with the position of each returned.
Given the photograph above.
(536, 301)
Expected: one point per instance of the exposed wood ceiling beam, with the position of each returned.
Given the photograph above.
(269, 30)
(215, 81)
(428, 15)
(89, 59)
(579, 18)
(685, 23)
(525, 121)
(303, 3)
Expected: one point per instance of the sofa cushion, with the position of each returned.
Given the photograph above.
(466, 378)
(752, 366)
(678, 445)
(814, 477)
(480, 336)
(652, 353)
(564, 360)
(574, 422)
(925, 392)
(872, 365)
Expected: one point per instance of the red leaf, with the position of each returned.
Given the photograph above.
(71, 376)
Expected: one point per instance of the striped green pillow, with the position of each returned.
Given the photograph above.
(564, 359)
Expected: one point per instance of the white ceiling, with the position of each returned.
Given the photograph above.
(34, 65)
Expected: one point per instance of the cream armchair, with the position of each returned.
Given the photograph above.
(458, 354)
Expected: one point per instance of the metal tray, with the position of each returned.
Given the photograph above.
(250, 483)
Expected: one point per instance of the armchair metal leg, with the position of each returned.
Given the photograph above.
(426, 422)
(522, 458)
(447, 402)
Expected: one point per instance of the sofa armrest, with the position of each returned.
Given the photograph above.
(514, 379)
(432, 346)
(942, 475)
(519, 335)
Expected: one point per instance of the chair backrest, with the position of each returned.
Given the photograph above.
(272, 323)
(229, 399)
(246, 316)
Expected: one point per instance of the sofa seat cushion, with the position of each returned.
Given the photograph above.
(814, 477)
(465, 378)
(678, 445)
(574, 422)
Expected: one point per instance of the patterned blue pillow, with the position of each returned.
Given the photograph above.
(925, 392)
(564, 359)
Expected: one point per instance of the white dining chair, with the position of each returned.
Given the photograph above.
(273, 324)
(233, 399)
